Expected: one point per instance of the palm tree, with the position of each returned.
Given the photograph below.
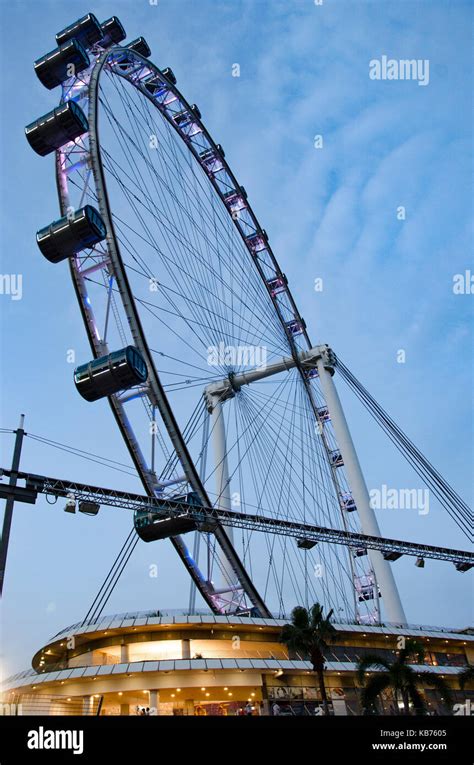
(466, 676)
(309, 634)
(402, 679)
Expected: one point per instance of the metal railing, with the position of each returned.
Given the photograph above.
(339, 624)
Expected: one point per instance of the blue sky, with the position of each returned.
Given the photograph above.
(330, 213)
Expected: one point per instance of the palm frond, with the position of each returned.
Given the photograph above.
(416, 698)
(373, 688)
(412, 648)
(432, 678)
(371, 660)
(300, 618)
(466, 676)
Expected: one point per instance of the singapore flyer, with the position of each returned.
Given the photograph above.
(236, 411)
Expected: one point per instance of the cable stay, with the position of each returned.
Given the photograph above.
(447, 496)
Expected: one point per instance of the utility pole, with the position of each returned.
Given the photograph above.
(7, 518)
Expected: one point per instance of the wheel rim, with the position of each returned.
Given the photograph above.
(137, 72)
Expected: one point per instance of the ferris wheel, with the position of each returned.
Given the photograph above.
(196, 339)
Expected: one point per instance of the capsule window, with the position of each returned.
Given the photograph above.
(95, 220)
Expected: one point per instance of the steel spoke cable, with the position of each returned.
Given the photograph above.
(288, 515)
(270, 543)
(144, 225)
(223, 329)
(118, 567)
(193, 166)
(140, 189)
(182, 224)
(121, 224)
(273, 434)
(257, 458)
(259, 450)
(198, 322)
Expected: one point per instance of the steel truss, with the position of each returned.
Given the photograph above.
(209, 517)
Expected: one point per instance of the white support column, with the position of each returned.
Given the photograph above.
(223, 502)
(383, 571)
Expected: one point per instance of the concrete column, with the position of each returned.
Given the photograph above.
(383, 572)
(154, 702)
(186, 648)
(124, 653)
(88, 705)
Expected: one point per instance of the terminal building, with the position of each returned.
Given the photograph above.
(168, 663)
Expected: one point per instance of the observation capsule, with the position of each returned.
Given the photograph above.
(113, 32)
(56, 128)
(169, 74)
(69, 235)
(140, 46)
(85, 30)
(150, 525)
(55, 67)
(111, 374)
